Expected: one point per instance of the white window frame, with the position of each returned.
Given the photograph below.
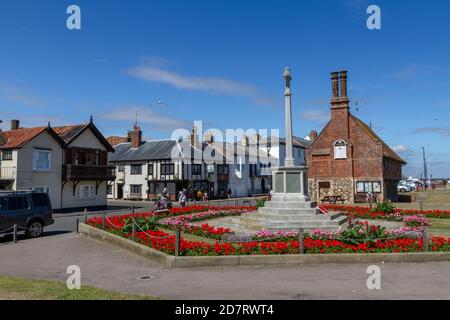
(35, 160)
(81, 194)
(340, 152)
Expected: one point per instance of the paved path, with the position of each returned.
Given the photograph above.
(112, 268)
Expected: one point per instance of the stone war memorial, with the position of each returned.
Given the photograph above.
(291, 207)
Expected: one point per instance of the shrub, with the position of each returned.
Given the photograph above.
(260, 203)
(386, 207)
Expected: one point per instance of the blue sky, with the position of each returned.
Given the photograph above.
(222, 61)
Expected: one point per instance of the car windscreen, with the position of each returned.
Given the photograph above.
(40, 199)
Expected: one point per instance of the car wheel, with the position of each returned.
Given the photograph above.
(35, 229)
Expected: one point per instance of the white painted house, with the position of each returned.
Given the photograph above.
(69, 163)
(145, 168)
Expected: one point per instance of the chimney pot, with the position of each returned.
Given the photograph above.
(15, 124)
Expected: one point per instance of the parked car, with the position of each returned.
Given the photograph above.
(412, 184)
(402, 187)
(30, 211)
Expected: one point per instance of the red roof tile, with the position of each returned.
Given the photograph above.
(67, 133)
(17, 138)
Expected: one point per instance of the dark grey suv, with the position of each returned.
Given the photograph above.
(31, 211)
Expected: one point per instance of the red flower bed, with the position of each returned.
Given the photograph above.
(164, 242)
(365, 212)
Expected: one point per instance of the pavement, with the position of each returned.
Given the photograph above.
(112, 268)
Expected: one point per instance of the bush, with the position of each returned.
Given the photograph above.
(142, 224)
(260, 203)
(362, 233)
(387, 207)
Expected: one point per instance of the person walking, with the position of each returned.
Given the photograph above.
(182, 200)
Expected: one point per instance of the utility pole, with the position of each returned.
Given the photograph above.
(425, 173)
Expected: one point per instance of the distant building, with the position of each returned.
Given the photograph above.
(69, 163)
(348, 158)
(145, 168)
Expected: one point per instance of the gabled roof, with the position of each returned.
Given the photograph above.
(64, 135)
(18, 138)
(70, 133)
(387, 151)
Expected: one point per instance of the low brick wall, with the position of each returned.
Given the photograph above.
(253, 260)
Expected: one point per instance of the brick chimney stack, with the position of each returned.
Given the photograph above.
(135, 136)
(339, 99)
(195, 139)
(209, 137)
(340, 104)
(313, 135)
(343, 84)
(335, 85)
(15, 124)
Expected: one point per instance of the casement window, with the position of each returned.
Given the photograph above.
(167, 168)
(150, 169)
(6, 155)
(121, 167)
(196, 169)
(136, 169)
(42, 160)
(43, 189)
(340, 149)
(85, 192)
(222, 169)
(368, 186)
(135, 188)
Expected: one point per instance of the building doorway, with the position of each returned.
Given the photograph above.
(120, 191)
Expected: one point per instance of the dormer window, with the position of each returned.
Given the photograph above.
(340, 149)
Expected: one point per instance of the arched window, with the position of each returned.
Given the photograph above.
(340, 149)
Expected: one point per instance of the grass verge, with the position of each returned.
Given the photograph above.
(27, 289)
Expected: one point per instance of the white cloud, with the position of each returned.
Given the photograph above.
(445, 132)
(14, 93)
(146, 116)
(400, 148)
(320, 116)
(154, 71)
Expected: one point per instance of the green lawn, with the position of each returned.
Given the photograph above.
(25, 289)
(440, 227)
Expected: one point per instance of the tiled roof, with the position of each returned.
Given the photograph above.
(387, 151)
(67, 133)
(149, 150)
(115, 140)
(19, 137)
(64, 135)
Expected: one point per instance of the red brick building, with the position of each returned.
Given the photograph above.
(348, 158)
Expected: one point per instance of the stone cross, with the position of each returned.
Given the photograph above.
(289, 160)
